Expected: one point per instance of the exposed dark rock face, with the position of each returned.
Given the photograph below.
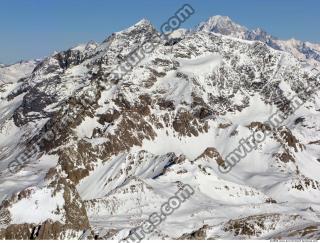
(199, 234)
(104, 144)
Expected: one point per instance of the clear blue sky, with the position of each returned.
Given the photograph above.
(36, 28)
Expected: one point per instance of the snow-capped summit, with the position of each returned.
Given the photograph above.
(223, 25)
(304, 51)
(92, 157)
(143, 22)
(142, 25)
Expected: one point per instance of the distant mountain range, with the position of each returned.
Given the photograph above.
(85, 156)
(302, 50)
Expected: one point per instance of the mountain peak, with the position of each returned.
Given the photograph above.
(142, 25)
(220, 18)
(143, 22)
(223, 25)
(84, 149)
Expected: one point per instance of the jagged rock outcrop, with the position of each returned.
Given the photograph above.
(94, 155)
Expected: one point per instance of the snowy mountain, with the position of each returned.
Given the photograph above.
(223, 25)
(85, 156)
(14, 72)
(304, 51)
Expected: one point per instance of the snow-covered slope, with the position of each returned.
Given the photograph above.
(93, 157)
(304, 51)
(14, 72)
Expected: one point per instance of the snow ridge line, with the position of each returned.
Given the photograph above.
(248, 144)
(137, 55)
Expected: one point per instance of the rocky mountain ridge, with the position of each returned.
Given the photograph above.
(302, 50)
(97, 156)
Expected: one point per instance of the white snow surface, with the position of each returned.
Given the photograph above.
(276, 185)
